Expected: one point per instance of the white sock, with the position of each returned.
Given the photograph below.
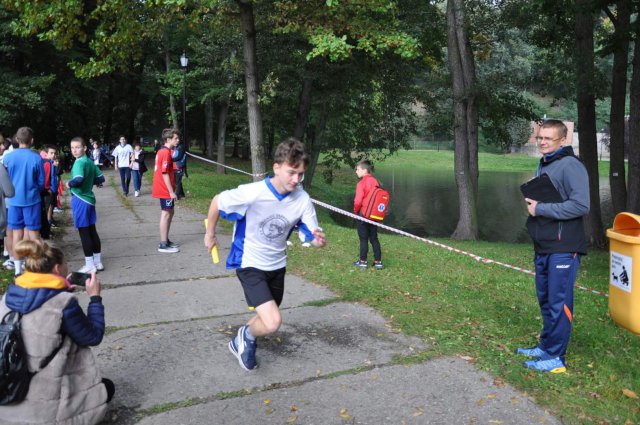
(96, 257)
(88, 261)
(12, 258)
(19, 264)
(248, 335)
(5, 253)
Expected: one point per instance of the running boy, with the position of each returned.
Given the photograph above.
(265, 212)
(84, 175)
(164, 188)
(366, 232)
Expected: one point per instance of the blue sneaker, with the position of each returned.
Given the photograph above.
(244, 350)
(531, 352)
(554, 365)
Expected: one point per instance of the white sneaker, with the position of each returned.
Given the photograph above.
(306, 244)
(137, 193)
(87, 269)
(99, 267)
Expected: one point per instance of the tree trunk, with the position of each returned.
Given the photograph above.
(633, 200)
(585, 97)
(222, 133)
(252, 83)
(304, 106)
(208, 128)
(108, 119)
(317, 143)
(172, 100)
(465, 127)
(618, 99)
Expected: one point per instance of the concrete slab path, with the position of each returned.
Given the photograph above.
(170, 317)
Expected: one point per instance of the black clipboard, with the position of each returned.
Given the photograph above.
(541, 189)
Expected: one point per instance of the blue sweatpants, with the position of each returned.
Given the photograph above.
(125, 179)
(555, 277)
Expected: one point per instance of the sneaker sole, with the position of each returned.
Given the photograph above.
(237, 356)
(168, 251)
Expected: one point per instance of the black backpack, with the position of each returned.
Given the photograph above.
(14, 371)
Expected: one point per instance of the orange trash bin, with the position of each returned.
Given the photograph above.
(624, 271)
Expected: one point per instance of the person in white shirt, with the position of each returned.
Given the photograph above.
(122, 163)
(265, 213)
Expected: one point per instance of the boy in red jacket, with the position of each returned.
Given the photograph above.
(366, 232)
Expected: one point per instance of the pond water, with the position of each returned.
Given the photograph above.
(425, 203)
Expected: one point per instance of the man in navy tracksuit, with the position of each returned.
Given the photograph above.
(559, 242)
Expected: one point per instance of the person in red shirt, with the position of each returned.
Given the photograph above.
(164, 187)
(366, 232)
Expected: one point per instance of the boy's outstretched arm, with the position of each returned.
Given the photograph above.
(213, 216)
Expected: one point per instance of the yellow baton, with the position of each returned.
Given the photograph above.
(214, 251)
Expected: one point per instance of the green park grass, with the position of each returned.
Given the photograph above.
(462, 307)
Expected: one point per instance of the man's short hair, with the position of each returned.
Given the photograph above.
(24, 136)
(561, 129)
(291, 152)
(365, 164)
(47, 148)
(78, 139)
(168, 133)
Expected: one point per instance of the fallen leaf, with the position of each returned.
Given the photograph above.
(490, 396)
(515, 400)
(498, 383)
(628, 422)
(294, 408)
(344, 414)
(467, 358)
(418, 412)
(292, 419)
(267, 401)
(495, 421)
(278, 340)
(629, 393)
(480, 402)
(268, 410)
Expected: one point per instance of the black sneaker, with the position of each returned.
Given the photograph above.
(163, 247)
(172, 244)
(361, 264)
(378, 265)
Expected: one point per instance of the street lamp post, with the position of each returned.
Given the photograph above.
(184, 61)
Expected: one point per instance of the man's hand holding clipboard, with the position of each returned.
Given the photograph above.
(539, 189)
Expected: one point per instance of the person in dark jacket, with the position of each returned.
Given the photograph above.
(559, 242)
(179, 157)
(54, 326)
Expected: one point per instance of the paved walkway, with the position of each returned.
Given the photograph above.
(170, 317)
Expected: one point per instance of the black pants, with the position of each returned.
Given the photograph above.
(177, 175)
(368, 233)
(90, 240)
(111, 388)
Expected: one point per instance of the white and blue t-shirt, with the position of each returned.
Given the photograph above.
(264, 219)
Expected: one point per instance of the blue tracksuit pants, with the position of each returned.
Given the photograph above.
(555, 277)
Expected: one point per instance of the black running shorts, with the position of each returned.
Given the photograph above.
(261, 286)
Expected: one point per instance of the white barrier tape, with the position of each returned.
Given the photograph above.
(226, 166)
(409, 235)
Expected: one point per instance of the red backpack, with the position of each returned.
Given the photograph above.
(375, 205)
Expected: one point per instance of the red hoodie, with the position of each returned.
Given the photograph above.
(363, 189)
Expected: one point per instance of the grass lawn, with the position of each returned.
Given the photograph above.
(463, 307)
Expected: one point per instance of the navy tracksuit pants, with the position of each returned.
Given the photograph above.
(555, 277)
